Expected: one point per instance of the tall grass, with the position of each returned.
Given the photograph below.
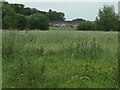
(51, 59)
(0, 59)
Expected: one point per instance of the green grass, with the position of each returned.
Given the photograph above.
(67, 59)
(0, 59)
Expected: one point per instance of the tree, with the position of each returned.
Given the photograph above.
(86, 25)
(53, 15)
(18, 8)
(21, 22)
(38, 21)
(119, 16)
(107, 20)
(78, 20)
(14, 17)
(27, 11)
(8, 16)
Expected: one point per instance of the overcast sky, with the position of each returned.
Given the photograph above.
(72, 10)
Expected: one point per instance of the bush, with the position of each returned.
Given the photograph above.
(8, 17)
(38, 21)
(21, 22)
(86, 25)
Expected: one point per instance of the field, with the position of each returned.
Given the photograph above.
(67, 59)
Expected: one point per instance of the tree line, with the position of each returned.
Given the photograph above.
(17, 16)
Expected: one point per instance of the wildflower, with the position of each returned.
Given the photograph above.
(81, 77)
(87, 77)
(98, 70)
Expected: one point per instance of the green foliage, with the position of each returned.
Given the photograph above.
(21, 22)
(38, 21)
(86, 25)
(11, 19)
(53, 15)
(8, 16)
(14, 17)
(118, 25)
(78, 20)
(21, 9)
(54, 59)
(18, 8)
(107, 20)
(27, 11)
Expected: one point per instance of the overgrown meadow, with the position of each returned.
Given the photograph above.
(59, 59)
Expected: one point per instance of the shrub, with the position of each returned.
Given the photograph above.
(86, 25)
(38, 21)
(21, 22)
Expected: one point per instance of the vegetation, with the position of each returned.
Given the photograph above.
(105, 15)
(38, 21)
(60, 57)
(21, 22)
(86, 25)
(78, 20)
(17, 16)
(54, 59)
(107, 19)
(56, 16)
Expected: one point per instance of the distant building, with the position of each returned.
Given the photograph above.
(64, 23)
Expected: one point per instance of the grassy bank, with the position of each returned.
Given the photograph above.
(59, 59)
